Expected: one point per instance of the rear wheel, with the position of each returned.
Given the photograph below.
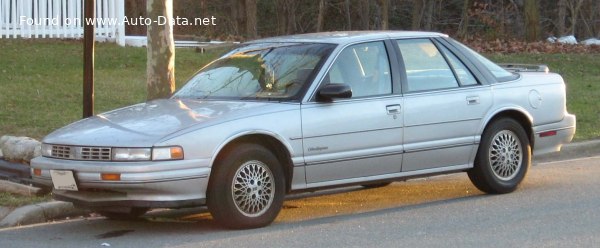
(503, 158)
(246, 188)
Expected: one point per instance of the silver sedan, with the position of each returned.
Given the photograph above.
(305, 112)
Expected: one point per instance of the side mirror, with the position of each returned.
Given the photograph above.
(331, 91)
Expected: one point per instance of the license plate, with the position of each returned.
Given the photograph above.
(63, 180)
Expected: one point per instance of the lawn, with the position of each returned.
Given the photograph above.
(12, 200)
(41, 82)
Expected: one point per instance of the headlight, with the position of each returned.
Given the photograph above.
(167, 153)
(46, 150)
(131, 154)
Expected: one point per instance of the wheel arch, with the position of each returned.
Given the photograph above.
(517, 114)
(272, 142)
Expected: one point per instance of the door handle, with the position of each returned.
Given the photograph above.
(472, 100)
(393, 109)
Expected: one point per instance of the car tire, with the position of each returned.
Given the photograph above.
(132, 214)
(246, 187)
(503, 157)
(376, 185)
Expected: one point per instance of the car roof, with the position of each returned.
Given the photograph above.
(343, 37)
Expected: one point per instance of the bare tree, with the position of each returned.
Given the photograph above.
(428, 14)
(463, 28)
(384, 6)
(562, 16)
(251, 31)
(417, 13)
(347, 8)
(160, 65)
(286, 16)
(574, 7)
(532, 20)
(364, 14)
(321, 15)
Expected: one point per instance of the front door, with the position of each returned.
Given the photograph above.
(360, 136)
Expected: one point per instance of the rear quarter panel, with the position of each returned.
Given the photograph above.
(540, 96)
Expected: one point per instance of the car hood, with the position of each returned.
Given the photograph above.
(144, 124)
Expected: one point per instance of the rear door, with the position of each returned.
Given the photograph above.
(443, 106)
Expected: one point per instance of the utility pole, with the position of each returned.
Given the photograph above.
(89, 37)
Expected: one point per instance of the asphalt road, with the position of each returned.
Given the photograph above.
(557, 206)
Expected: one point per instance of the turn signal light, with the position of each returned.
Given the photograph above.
(111, 176)
(176, 153)
(37, 172)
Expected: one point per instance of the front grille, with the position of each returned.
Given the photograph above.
(61, 152)
(95, 153)
(81, 153)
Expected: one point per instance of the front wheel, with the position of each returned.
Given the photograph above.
(503, 158)
(246, 188)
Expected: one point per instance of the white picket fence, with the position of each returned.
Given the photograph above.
(60, 19)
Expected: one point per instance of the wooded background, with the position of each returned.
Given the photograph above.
(528, 20)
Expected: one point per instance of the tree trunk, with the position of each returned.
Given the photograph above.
(562, 16)
(251, 19)
(385, 14)
(160, 65)
(347, 8)
(463, 27)
(574, 7)
(417, 14)
(364, 14)
(205, 13)
(291, 16)
(597, 11)
(320, 16)
(281, 16)
(532, 20)
(429, 14)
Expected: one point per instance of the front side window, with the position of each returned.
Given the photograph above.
(365, 67)
(426, 68)
(261, 71)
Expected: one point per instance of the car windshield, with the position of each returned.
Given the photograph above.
(261, 71)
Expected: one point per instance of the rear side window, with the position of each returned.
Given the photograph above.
(426, 68)
(499, 73)
(464, 75)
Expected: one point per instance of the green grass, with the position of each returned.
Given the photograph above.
(11, 200)
(582, 76)
(41, 82)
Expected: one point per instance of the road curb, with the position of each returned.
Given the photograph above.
(582, 149)
(42, 212)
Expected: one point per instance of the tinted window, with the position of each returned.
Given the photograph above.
(365, 67)
(426, 68)
(464, 75)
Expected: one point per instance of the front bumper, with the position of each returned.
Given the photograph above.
(565, 130)
(168, 184)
